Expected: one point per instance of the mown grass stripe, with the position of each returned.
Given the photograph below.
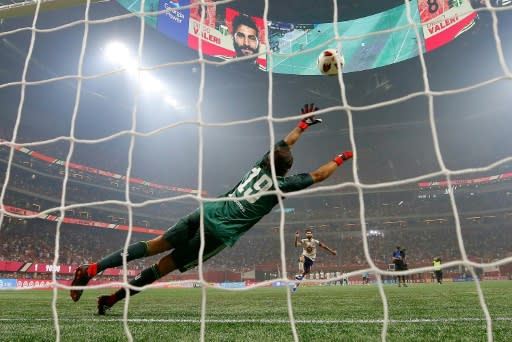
(266, 321)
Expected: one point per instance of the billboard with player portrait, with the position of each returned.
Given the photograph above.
(228, 34)
(374, 41)
(212, 34)
(248, 35)
(181, 21)
(443, 20)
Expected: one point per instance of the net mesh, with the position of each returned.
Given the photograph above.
(132, 133)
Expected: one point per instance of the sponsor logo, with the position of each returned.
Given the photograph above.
(172, 13)
(51, 268)
(441, 24)
(207, 34)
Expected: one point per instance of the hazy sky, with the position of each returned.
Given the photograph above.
(393, 141)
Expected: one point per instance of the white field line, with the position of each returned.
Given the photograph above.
(267, 321)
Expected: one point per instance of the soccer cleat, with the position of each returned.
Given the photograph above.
(81, 279)
(103, 305)
(294, 289)
(299, 277)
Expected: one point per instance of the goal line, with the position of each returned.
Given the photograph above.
(272, 321)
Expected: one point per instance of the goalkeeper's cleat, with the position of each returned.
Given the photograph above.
(81, 279)
(104, 304)
(299, 277)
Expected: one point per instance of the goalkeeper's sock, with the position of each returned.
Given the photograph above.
(147, 276)
(92, 270)
(135, 251)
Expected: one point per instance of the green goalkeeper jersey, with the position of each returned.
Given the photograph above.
(228, 220)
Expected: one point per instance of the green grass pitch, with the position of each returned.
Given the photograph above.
(420, 312)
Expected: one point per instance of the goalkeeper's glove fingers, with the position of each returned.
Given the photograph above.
(340, 158)
(308, 108)
(310, 120)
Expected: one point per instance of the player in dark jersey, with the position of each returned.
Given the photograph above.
(398, 259)
(225, 221)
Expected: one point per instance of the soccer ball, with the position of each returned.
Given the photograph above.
(327, 62)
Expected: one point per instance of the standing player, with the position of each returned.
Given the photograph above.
(438, 271)
(225, 221)
(308, 256)
(366, 278)
(398, 259)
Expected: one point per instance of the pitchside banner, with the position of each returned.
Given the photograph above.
(7, 283)
(444, 20)
(41, 267)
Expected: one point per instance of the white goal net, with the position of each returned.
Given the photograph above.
(118, 120)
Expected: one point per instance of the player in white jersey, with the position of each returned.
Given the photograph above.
(308, 256)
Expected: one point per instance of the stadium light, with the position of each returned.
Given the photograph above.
(169, 100)
(130, 65)
(150, 83)
(117, 53)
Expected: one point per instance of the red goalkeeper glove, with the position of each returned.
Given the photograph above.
(340, 158)
(310, 120)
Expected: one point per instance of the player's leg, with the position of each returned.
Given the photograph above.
(307, 264)
(300, 276)
(164, 266)
(137, 250)
(183, 257)
(439, 276)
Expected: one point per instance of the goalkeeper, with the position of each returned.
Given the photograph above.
(225, 221)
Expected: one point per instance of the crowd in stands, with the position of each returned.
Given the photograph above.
(420, 221)
(34, 241)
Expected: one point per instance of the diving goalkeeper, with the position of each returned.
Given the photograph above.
(225, 221)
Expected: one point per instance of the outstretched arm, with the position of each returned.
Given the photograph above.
(324, 171)
(293, 136)
(327, 248)
(295, 133)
